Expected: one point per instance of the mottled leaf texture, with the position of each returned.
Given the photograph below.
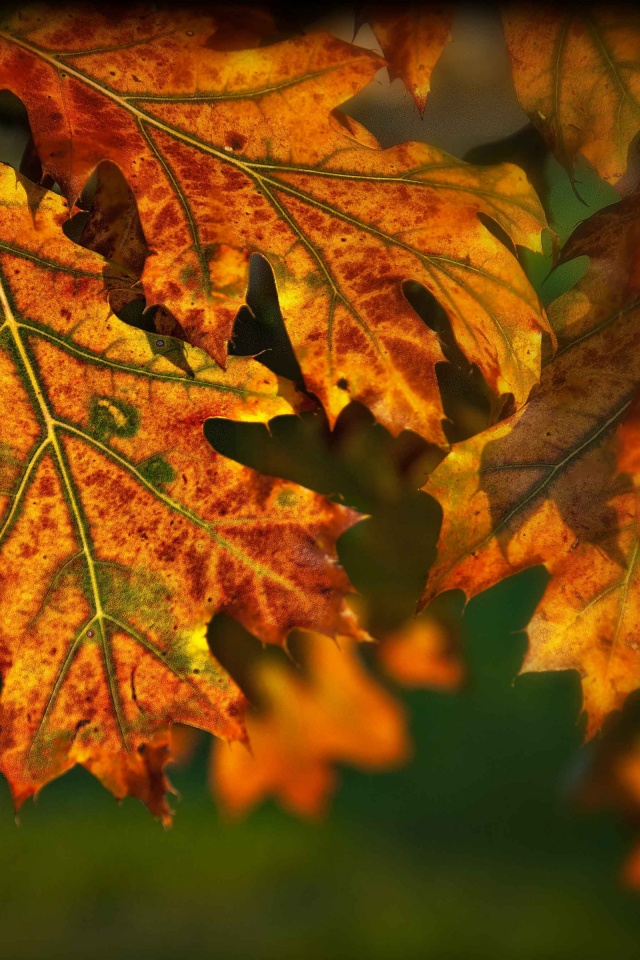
(412, 40)
(577, 74)
(334, 713)
(231, 153)
(121, 530)
(542, 486)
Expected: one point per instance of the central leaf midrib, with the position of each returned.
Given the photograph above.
(51, 426)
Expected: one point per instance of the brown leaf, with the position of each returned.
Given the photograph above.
(629, 442)
(231, 153)
(541, 487)
(412, 40)
(139, 773)
(577, 74)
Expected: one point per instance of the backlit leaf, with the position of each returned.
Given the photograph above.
(542, 487)
(121, 530)
(577, 74)
(412, 40)
(335, 713)
(231, 153)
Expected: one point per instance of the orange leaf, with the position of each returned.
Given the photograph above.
(629, 442)
(412, 41)
(541, 487)
(423, 653)
(231, 153)
(121, 530)
(577, 75)
(138, 773)
(334, 714)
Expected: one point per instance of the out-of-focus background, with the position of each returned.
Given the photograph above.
(474, 849)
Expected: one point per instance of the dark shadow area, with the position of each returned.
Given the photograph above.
(361, 465)
(259, 329)
(240, 652)
(466, 398)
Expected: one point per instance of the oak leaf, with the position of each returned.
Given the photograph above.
(411, 41)
(121, 530)
(233, 153)
(577, 75)
(334, 713)
(542, 487)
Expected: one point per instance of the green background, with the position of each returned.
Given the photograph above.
(476, 848)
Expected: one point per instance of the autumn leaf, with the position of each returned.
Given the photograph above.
(424, 652)
(577, 74)
(628, 447)
(139, 773)
(234, 153)
(333, 713)
(542, 487)
(121, 530)
(411, 40)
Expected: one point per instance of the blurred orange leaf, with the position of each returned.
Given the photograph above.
(424, 652)
(577, 75)
(334, 713)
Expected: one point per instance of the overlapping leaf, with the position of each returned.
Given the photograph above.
(230, 153)
(542, 487)
(412, 40)
(335, 713)
(121, 530)
(577, 75)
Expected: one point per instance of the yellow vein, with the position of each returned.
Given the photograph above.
(24, 483)
(50, 424)
(175, 505)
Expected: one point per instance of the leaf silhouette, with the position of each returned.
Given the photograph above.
(121, 530)
(542, 487)
(577, 75)
(234, 153)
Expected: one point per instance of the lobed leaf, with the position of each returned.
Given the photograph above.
(121, 530)
(412, 41)
(577, 75)
(542, 488)
(231, 153)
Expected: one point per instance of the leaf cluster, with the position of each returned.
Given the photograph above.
(199, 241)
